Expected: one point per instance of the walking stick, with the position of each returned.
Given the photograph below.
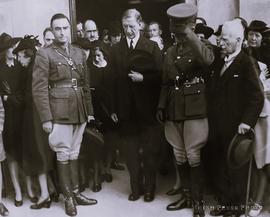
(248, 186)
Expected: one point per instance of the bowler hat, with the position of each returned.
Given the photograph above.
(203, 29)
(141, 61)
(240, 150)
(6, 41)
(28, 42)
(257, 26)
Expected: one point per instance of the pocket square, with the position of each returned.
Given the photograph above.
(235, 76)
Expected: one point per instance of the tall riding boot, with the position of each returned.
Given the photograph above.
(80, 199)
(197, 181)
(184, 201)
(65, 184)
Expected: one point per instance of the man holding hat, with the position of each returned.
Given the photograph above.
(235, 102)
(182, 104)
(136, 96)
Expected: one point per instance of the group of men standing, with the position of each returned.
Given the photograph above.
(204, 97)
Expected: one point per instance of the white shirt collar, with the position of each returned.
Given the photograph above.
(135, 40)
(232, 56)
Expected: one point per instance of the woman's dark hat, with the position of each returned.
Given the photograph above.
(203, 29)
(28, 42)
(241, 150)
(257, 26)
(141, 61)
(6, 41)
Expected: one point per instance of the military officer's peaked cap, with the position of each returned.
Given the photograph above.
(182, 13)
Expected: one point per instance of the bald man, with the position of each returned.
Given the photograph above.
(235, 102)
(91, 30)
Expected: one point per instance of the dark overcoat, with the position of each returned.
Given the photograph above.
(235, 97)
(135, 98)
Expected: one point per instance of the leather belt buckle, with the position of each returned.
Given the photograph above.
(74, 83)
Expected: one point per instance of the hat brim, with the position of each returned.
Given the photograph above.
(10, 43)
(233, 145)
(206, 30)
(141, 61)
(257, 29)
(93, 136)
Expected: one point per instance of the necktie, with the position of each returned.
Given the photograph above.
(131, 45)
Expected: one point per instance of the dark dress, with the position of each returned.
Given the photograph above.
(14, 76)
(100, 81)
(37, 155)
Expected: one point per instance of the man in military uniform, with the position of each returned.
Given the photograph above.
(62, 97)
(182, 104)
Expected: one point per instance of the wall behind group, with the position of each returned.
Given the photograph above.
(20, 17)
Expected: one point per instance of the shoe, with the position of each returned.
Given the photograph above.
(18, 203)
(255, 210)
(133, 197)
(115, 165)
(33, 199)
(70, 207)
(108, 177)
(44, 204)
(83, 200)
(3, 210)
(96, 188)
(148, 197)
(198, 209)
(182, 203)
(174, 191)
(54, 197)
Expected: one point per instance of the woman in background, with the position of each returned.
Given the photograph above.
(37, 156)
(12, 80)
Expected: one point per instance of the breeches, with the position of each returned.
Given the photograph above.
(65, 140)
(187, 139)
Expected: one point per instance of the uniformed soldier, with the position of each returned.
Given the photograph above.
(62, 96)
(182, 104)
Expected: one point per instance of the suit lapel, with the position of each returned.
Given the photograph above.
(232, 69)
(140, 44)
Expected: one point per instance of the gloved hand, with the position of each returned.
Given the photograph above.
(160, 115)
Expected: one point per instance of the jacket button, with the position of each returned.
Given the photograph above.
(178, 57)
(189, 60)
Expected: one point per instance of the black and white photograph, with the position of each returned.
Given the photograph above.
(135, 108)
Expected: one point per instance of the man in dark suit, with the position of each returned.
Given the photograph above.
(136, 96)
(62, 96)
(235, 102)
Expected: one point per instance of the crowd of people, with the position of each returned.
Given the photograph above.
(70, 108)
